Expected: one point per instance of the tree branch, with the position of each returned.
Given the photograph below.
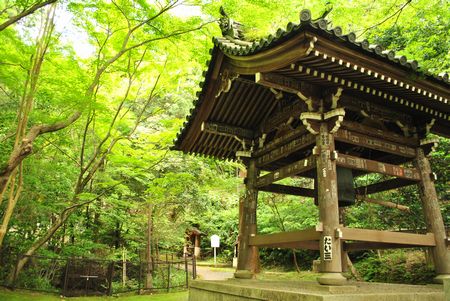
(25, 13)
(398, 11)
(24, 149)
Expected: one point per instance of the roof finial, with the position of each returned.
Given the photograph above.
(229, 27)
(305, 15)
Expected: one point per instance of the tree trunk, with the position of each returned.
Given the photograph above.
(37, 244)
(297, 268)
(14, 195)
(149, 259)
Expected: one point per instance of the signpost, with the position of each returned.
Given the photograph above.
(215, 243)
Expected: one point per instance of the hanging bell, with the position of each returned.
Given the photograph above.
(346, 191)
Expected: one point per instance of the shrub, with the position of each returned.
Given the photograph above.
(396, 267)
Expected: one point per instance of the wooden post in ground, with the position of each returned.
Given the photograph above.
(197, 249)
(433, 217)
(330, 245)
(248, 256)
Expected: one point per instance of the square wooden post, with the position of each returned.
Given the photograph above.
(433, 217)
(248, 256)
(330, 245)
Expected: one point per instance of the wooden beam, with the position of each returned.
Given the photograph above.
(227, 130)
(373, 132)
(285, 150)
(293, 169)
(193, 132)
(359, 246)
(279, 82)
(334, 49)
(353, 162)
(383, 203)
(305, 245)
(383, 186)
(286, 112)
(379, 144)
(292, 237)
(374, 110)
(284, 189)
(422, 240)
(277, 142)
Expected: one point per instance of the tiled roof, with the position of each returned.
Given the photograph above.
(232, 44)
(237, 47)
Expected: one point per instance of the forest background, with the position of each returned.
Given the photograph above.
(92, 94)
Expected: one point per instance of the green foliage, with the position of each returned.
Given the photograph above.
(140, 170)
(396, 267)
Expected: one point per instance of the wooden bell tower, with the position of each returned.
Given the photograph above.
(312, 102)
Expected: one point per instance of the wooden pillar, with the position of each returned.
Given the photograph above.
(197, 249)
(330, 246)
(248, 256)
(433, 217)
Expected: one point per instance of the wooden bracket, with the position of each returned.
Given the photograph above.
(307, 100)
(335, 97)
(334, 118)
(226, 79)
(312, 41)
(306, 92)
(309, 119)
(278, 94)
(429, 125)
(429, 145)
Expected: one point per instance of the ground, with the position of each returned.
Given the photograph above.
(21, 295)
(203, 272)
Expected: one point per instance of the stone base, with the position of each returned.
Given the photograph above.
(265, 290)
(243, 274)
(332, 279)
(439, 279)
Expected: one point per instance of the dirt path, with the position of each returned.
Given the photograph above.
(208, 273)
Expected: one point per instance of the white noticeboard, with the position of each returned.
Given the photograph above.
(215, 241)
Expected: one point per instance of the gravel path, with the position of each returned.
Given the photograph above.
(208, 273)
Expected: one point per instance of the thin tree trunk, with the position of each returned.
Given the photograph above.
(297, 268)
(14, 195)
(283, 228)
(149, 259)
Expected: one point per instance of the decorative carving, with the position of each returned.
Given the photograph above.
(229, 27)
(227, 78)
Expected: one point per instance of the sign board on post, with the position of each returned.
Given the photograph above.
(215, 243)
